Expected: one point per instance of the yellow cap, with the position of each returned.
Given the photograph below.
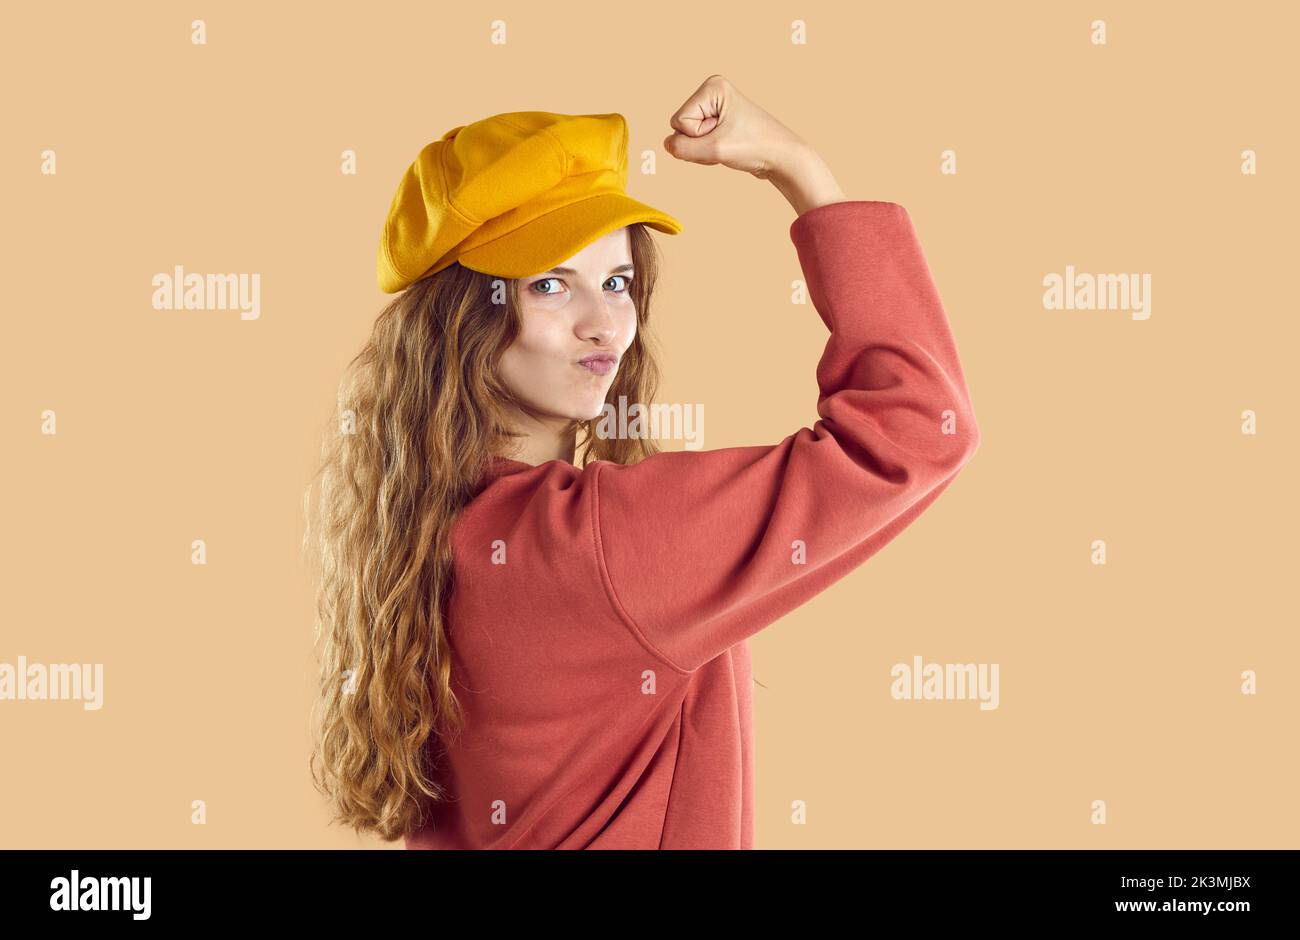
(511, 195)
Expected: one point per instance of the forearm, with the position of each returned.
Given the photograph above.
(805, 180)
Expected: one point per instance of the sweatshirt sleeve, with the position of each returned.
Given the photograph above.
(699, 550)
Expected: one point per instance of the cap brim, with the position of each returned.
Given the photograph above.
(558, 235)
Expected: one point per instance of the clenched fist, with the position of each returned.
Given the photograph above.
(719, 125)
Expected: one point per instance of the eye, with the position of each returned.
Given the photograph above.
(627, 283)
(546, 280)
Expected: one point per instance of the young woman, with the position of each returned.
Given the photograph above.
(528, 650)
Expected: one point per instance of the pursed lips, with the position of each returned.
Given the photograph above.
(599, 363)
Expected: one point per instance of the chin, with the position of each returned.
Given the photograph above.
(587, 411)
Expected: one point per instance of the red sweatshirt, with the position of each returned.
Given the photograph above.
(599, 619)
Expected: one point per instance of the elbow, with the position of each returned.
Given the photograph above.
(963, 442)
(943, 457)
(969, 439)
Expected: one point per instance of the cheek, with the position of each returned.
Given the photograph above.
(536, 351)
(627, 325)
(540, 339)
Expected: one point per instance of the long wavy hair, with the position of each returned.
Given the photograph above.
(421, 410)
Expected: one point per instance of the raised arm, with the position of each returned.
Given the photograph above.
(699, 550)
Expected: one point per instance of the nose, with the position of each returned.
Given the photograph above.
(596, 321)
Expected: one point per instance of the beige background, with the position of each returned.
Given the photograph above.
(1118, 683)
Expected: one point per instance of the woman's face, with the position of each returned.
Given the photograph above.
(579, 309)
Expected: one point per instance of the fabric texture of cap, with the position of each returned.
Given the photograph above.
(511, 195)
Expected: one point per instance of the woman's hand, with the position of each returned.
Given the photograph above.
(717, 124)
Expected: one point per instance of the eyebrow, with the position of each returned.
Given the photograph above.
(619, 270)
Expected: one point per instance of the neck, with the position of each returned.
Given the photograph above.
(541, 440)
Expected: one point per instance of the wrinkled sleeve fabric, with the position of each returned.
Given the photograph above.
(699, 550)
